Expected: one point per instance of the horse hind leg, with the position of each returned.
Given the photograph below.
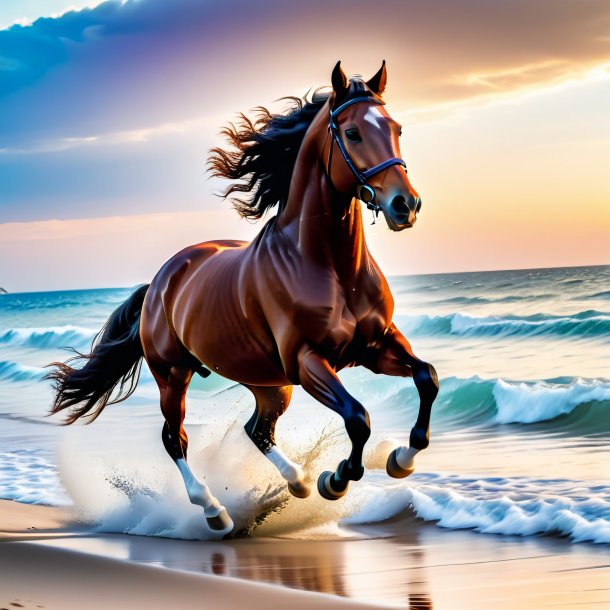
(270, 404)
(175, 440)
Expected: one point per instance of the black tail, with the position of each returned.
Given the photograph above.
(115, 360)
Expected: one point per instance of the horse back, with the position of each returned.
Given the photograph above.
(158, 328)
(197, 305)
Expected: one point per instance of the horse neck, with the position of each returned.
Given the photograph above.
(327, 224)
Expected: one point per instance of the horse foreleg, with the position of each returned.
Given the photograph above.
(175, 440)
(395, 357)
(319, 379)
(271, 403)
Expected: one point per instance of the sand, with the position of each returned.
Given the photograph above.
(48, 560)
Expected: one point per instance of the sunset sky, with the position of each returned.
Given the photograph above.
(107, 112)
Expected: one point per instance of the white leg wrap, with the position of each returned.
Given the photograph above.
(199, 493)
(405, 457)
(290, 471)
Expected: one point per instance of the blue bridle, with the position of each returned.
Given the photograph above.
(365, 192)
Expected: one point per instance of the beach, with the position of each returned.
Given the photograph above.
(509, 507)
(48, 560)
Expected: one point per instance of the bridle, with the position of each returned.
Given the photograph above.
(364, 191)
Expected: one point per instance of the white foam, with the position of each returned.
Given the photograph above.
(45, 337)
(533, 402)
(29, 476)
(517, 507)
(468, 324)
(140, 491)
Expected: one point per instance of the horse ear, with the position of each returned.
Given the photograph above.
(378, 82)
(339, 81)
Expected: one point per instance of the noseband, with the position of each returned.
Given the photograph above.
(364, 191)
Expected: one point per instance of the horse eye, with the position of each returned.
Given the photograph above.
(353, 135)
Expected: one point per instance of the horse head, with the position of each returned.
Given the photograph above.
(362, 154)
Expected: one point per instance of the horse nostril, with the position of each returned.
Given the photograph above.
(418, 205)
(399, 205)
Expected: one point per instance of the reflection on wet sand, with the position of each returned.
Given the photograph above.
(307, 565)
(420, 602)
(390, 570)
(382, 570)
(419, 596)
(403, 564)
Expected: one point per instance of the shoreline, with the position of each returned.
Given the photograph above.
(409, 564)
(38, 575)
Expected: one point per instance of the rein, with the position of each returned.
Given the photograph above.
(364, 191)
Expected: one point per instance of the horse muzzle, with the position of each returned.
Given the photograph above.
(401, 213)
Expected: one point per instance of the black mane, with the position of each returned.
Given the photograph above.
(264, 151)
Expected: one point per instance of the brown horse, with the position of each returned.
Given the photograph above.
(299, 303)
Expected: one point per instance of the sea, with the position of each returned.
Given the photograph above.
(519, 433)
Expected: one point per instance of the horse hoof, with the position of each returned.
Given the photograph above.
(299, 490)
(221, 523)
(325, 489)
(394, 469)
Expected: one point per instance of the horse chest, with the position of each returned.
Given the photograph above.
(323, 320)
(342, 324)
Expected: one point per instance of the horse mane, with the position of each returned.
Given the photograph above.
(263, 153)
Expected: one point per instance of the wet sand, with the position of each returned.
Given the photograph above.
(48, 560)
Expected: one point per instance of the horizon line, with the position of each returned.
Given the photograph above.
(391, 276)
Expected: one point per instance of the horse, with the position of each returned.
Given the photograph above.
(296, 305)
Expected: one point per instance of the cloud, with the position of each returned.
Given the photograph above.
(119, 67)
(490, 94)
(519, 76)
(118, 138)
(25, 12)
(111, 109)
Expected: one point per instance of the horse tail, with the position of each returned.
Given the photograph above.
(115, 360)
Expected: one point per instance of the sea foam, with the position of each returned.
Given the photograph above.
(541, 401)
(507, 506)
(474, 401)
(29, 476)
(55, 336)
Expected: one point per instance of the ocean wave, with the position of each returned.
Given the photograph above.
(103, 299)
(464, 300)
(527, 403)
(480, 300)
(48, 337)
(583, 324)
(580, 406)
(571, 404)
(13, 371)
(507, 506)
(605, 294)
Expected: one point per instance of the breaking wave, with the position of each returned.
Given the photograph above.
(583, 324)
(13, 371)
(507, 506)
(54, 336)
(527, 403)
(578, 406)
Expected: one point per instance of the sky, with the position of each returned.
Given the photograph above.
(107, 111)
